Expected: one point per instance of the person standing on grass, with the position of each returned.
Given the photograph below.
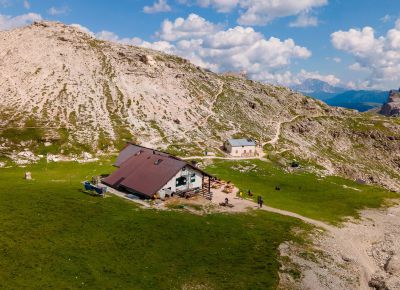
(261, 202)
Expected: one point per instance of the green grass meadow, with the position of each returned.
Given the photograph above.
(54, 236)
(329, 199)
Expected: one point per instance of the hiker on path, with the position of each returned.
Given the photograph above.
(261, 202)
(241, 195)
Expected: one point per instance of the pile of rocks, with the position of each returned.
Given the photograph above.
(24, 157)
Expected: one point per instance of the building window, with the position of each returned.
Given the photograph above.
(181, 181)
(236, 151)
(193, 178)
(244, 151)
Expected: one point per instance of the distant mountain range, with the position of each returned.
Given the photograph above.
(360, 100)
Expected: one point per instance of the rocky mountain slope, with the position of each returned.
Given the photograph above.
(392, 107)
(63, 91)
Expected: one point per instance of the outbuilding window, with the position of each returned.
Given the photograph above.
(181, 181)
(193, 178)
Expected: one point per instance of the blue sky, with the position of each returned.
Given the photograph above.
(354, 43)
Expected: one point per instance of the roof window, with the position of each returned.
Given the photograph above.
(139, 152)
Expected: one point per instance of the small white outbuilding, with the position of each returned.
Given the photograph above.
(241, 147)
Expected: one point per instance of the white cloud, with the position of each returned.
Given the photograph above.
(287, 78)
(8, 22)
(157, 7)
(235, 49)
(304, 20)
(83, 28)
(193, 26)
(357, 67)
(58, 10)
(27, 5)
(330, 79)
(111, 36)
(377, 55)
(233, 37)
(164, 46)
(262, 12)
(358, 42)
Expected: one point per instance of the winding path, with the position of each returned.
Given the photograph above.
(203, 121)
(348, 245)
(220, 91)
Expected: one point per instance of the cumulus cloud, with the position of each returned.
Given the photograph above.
(262, 12)
(8, 22)
(235, 49)
(157, 7)
(83, 28)
(192, 27)
(378, 55)
(330, 79)
(288, 78)
(304, 20)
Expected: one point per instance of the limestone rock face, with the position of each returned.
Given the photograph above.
(393, 266)
(80, 90)
(392, 107)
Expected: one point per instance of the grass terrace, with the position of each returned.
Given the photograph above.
(330, 199)
(53, 235)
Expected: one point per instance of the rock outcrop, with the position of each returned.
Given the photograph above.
(392, 107)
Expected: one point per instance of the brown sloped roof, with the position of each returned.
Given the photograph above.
(132, 149)
(145, 173)
(126, 153)
(145, 170)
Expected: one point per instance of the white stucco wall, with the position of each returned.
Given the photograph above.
(241, 151)
(188, 171)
